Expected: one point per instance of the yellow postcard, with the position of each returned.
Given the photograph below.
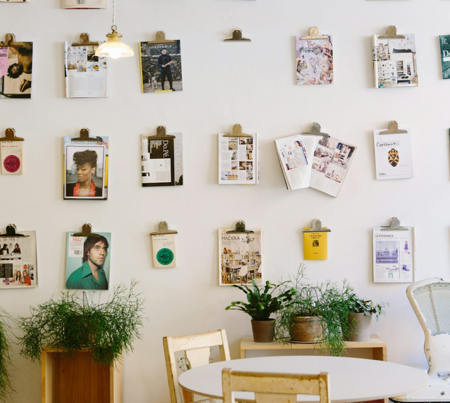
(315, 245)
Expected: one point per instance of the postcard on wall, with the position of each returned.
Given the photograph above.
(11, 157)
(16, 71)
(395, 62)
(88, 261)
(331, 163)
(314, 60)
(86, 74)
(84, 4)
(393, 155)
(295, 155)
(238, 160)
(162, 160)
(164, 251)
(444, 41)
(161, 67)
(85, 169)
(18, 261)
(240, 257)
(393, 255)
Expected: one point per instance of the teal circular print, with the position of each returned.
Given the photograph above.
(165, 256)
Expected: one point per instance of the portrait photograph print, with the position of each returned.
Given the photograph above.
(85, 169)
(161, 67)
(88, 261)
(84, 4)
(16, 65)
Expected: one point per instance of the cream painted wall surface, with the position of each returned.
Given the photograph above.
(227, 83)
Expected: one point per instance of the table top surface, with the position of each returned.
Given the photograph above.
(351, 379)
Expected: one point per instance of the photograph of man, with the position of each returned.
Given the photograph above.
(164, 63)
(84, 172)
(91, 275)
(18, 79)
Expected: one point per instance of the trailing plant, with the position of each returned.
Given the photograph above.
(367, 307)
(262, 302)
(106, 329)
(6, 388)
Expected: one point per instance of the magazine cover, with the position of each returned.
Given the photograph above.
(86, 74)
(11, 157)
(444, 42)
(161, 67)
(240, 257)
(164, 251)
(18, 261)
(85, 169)
(393, 155)
(81, 4)
(162, 160)
(393, 255)
(238, 160)
(314, 61)
(295, 155)
(395, 62)
(88, 261)
(16, 65)
(331, 162)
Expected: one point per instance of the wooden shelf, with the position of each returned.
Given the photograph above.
(76, 378)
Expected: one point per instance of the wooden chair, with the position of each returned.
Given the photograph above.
(196, 348)
(274, 388)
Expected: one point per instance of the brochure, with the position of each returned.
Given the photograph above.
(162, 160)
(238, 160)
(84, 4)
(11, 157)
(295, 155)
(240, 257)
(314, 61)
(16, 71)
(164, 251)
(86, 169)
(394, 62)
(315, 245)
(86, 74)
(88, 261)
(331, 162)
(393, 155)
(444, 41)
(393, 255)
(18, 261)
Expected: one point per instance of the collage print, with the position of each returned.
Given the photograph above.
(314, 61)
(237, 156)
(18, 261)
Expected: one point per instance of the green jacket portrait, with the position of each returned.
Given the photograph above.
(82, 279)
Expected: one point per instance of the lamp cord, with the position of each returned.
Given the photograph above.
(114, 15)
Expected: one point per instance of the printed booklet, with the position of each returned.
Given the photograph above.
(16, 65)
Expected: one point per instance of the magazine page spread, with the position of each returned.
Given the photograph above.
(295, 154)
(86, 169)
(393, 255)
(162, 161)
(16, 65)
(314, 61)
(11, 157)
(238, 160)
(332, 160)
(395, 62)
(86, 74)
(18, 261)
(240, 257)
(393, 155)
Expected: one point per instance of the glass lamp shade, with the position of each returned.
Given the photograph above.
(114, 47)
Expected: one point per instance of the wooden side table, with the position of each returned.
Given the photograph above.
(76, 378)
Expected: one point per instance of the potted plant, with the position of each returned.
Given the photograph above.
(105, 329)
(360, 316)
(261, 303)
(5, 358)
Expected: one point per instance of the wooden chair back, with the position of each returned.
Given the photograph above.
(196, 348)
(274, 388)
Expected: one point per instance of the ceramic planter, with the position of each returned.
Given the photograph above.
(306, 329)
(361, 330)
(263, 330)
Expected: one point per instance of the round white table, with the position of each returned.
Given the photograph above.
(351, 379)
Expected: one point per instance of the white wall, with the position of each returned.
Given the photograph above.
(226, 83)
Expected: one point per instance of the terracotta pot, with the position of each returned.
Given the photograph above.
(361, 330)
(263, 330)
(307, 329)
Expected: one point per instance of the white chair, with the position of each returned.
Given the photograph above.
(243, 273)
(430, 300)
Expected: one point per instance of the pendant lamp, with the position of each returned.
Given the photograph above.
(114, 47)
